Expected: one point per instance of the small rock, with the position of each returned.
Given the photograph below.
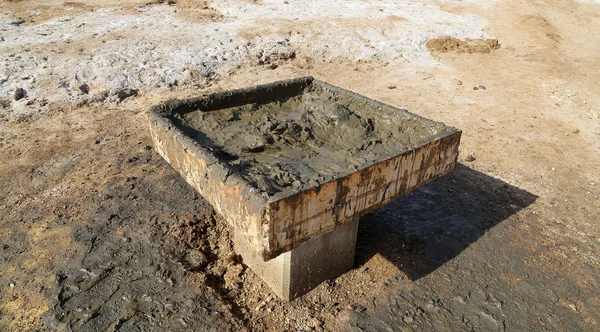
(17, 22)
(470, 158)
(357, 307)
(4, 103)
(459, 82)
(553, 169)
(1, 39)
(576, 131)
(84, 88)
(219, 270)
(19, 94)
(571, 305)
(233, 275)
(481, 87)
(195, 259)
(255, 143)
(126, 93)
(314, 322)
(260, 306)
(391, 87)
(100, 96)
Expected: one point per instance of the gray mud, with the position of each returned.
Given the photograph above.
(307, 139)
(141, 250)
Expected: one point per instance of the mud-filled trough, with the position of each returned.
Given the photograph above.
(292, 166)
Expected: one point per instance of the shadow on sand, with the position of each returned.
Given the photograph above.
(422, 230)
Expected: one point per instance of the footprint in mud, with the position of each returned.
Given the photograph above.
(137, 288)
(134, 275)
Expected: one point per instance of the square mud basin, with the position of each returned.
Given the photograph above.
(292, 165)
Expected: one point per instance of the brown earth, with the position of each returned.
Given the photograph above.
(34, 12)
(98, 232)
(200, 10)
(449, 44)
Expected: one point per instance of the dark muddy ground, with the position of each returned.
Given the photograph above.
(97, 232)
(130, 246)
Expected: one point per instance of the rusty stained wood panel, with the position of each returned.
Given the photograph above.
(298, 218)
(279, 226)
(229, 194)
(274, 226)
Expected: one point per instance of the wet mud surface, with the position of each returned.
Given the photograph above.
(131, 246)
(469, 251)
(458, 237)
(149, 243)
(311, 138)
(128, 279)
(164, 265)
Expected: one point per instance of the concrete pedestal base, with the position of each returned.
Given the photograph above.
(296, 272)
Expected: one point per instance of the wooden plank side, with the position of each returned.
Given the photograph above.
(300, 217)
(296, 216)
(229, 195)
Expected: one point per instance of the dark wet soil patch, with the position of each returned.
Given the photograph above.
(311, 138)
(156, 259)
(449, 44)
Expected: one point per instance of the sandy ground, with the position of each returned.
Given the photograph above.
(97, 232)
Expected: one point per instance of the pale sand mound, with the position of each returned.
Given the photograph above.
(449, 44)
